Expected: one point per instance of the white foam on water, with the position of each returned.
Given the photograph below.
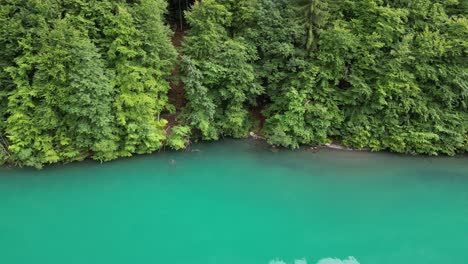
(350, 260)
(277, 261)
(300, 261)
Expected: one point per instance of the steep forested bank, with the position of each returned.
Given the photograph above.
(90, 79)
(83, 79)
(379, 74)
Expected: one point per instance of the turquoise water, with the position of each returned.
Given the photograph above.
(238, 202)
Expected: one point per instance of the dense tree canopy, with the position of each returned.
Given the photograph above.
(387, 75)
(83, 79)
(219, 76)
(90, 79)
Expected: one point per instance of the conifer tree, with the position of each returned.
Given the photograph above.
(63, 111)
(136, 86)
(314, 16)
(87, 103)
(20, 22)
(219, 75)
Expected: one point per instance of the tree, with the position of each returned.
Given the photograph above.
(140, 90)
(218, 72)
(62, 111)
(314, 16)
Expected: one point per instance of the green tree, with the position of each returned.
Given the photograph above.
(314, 16)
(140, 88)
(60, 109)
(218, 72)
(19, 21)
(179, 137)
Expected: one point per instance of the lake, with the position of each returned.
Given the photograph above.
(238, 202)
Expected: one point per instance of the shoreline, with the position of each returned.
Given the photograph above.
(252, 139)
(337, 146)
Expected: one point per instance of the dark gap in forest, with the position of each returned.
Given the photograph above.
(176, 19)
(257, 112)
(176, 14)
(344, 84)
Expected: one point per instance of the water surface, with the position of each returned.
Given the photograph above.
(237, 202)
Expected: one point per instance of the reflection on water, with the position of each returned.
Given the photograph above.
(350, 260)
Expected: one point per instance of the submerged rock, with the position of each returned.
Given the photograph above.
(274, 150)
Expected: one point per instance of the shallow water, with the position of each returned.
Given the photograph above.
(237, 202)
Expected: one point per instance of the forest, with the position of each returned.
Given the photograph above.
(89, 79)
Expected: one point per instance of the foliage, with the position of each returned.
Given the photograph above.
(179, 137)
(388, 75)
(314, 16)
(407, 79)
(90, 79)
(219, 77)
(83, 79)
(301, 109)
